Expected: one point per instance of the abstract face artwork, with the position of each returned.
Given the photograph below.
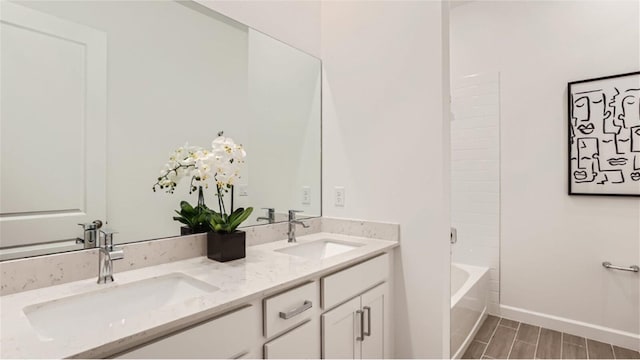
(604, 136)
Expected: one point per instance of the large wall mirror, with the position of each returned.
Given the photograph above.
(95, 96)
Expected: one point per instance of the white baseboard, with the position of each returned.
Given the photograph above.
(591, 331)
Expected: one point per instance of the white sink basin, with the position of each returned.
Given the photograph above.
(101, 311)
(320, 249)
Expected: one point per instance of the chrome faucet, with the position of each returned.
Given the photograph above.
(107, 253)
(271, 215)
(91, 234)
(292, 225)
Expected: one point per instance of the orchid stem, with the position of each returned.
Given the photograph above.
(220, 203)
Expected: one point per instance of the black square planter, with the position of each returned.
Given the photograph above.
(185, 230)
(226, 246)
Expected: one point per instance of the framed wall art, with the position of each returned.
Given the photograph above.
(604, 135)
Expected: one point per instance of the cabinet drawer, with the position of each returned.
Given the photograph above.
(302, 342)
(353, 281)
(288, 309)
(222, 338)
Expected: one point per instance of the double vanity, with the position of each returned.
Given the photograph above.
(325, 296)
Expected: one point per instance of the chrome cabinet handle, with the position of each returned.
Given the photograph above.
(632, 268)
(293, 312)
(368, 310)
(360, 313)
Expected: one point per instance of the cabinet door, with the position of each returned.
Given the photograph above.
(374, 303)
(302, 342)
(340, 329)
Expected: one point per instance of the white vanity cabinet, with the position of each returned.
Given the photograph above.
(374, 312)
(224, 337)
(358, 328)
(302, 342)
(341, 315)
(291, 323)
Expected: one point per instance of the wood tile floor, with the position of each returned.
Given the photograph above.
(500, 338)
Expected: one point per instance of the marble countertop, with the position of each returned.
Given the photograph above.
(262, 272)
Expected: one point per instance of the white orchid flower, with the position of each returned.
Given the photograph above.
(219, 165)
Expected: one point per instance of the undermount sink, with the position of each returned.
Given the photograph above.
(320, 249)
(104, 310)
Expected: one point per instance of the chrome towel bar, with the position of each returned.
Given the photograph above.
(633, 268)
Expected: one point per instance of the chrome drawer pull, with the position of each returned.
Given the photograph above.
(293, 312)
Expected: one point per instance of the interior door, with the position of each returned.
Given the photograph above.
(340, 330)
(52, 126)
(374, 303)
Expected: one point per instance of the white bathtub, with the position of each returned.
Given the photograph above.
(469, 296)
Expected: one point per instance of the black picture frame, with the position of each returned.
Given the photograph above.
(588, 173)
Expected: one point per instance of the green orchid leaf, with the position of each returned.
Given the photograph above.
(182, 220)
(215, 219)
(187, 208)
(242, 217)
(234, 215)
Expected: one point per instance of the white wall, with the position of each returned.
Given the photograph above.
(475, 175)
(385, 141)
(296, 23)
(552, 243)
(385, 136)
(284, 101)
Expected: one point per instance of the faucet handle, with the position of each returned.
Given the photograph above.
(108, 236)
(270, 211)
(292, 214)
(90, 239)
(94, 225)
(292, 218)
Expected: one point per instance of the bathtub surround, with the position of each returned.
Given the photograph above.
(501, 338)
(475, 175)
(552, 244)
(469, 304)
(41, 271)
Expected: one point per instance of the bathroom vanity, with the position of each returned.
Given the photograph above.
(325, 296)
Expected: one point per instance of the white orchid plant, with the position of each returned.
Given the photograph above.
(217, 167)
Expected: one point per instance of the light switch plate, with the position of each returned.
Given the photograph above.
(243, 190)
(339, 196)
(306, 195)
